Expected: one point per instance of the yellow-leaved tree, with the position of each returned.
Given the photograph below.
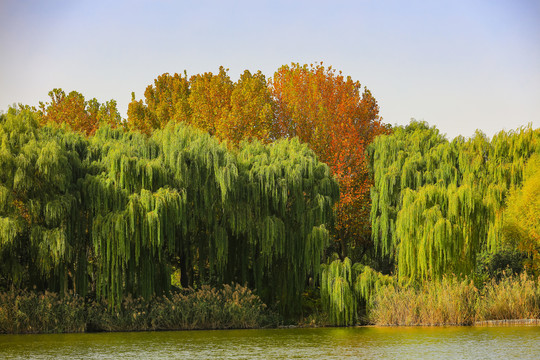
(522, 215)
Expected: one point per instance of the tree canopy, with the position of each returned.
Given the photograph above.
(81, 115)
(118, 211)
(437, 204)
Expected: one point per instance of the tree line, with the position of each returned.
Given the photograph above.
(257, 181)
(330, 112)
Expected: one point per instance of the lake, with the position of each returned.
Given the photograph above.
(519, 342)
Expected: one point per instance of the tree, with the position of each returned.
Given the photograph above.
(79, 114)
(332, 114)
(522, 215)
(140, 118)
(346, 286)
(117, 211)
(251, 112)
(42, 235)
(168, 99)
(210, 100)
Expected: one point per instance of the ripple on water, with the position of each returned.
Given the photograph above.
(324, 343)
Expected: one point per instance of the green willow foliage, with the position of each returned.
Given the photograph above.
(345, 286)
(435, 203)
(116, 213)
(41, 239)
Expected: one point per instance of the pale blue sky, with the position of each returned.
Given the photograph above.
(459, 65)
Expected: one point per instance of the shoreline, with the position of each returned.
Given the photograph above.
(482, 323)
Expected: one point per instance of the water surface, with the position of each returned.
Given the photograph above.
(322, 343)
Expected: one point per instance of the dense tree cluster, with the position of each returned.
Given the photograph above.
(259, 182)
(117, 212)
(437, 204)
(80, 115)
(324, 109)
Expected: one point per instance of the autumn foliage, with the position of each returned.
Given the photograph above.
(338, 120)
(210, 102)
(330, 112)
(81, 115)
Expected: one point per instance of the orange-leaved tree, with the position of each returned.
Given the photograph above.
(81, 115)
(338, 120)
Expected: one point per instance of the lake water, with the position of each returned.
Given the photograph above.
(320, 343)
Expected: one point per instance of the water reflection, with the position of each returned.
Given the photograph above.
(327, 343)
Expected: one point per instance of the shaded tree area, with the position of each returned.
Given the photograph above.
(115, 213)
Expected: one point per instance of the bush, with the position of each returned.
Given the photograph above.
(209, 308)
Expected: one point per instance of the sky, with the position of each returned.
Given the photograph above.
(459, 65)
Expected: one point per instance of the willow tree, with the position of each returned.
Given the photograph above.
(346, 288)
(181, 199)
(208, 173)
(398, 162)
(41, 242)
(436, 204)
(134, 214)
(284, 210)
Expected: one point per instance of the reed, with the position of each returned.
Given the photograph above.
(452, 301)
(447, 302)
(231, 306)
(515, 297)
(30, 312)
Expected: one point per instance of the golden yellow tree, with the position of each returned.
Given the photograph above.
(522, 215)
(81, 115)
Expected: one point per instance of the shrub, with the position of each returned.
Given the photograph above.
(29, 312)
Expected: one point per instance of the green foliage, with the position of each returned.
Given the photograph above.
(494, 265)
(346, 287)
(117, 212)
(521, 225)
(40, 240)
(436, 204)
